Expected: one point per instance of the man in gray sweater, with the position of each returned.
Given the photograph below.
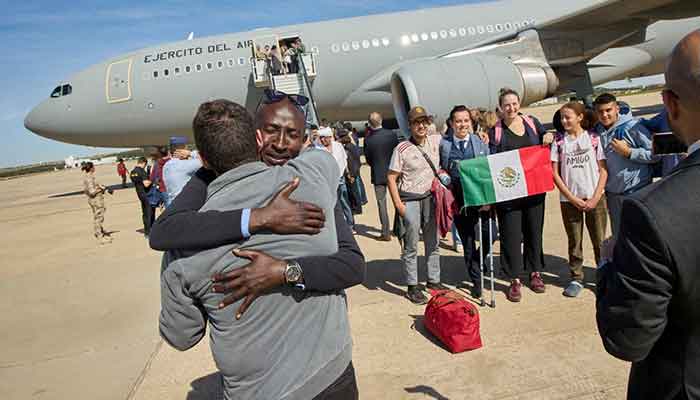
(299, 344)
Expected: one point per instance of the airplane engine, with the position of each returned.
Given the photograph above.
(472, 80)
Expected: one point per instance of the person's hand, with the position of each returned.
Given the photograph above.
(351, 179)
(401, 209)
(621, 147)
(485, 208)
(182, 154)
(606, 250)
(284, 216)
(263, 273)
(547, 139)
(591, 204)
(578, 203)
(484, 137)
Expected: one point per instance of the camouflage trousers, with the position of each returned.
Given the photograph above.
(98, 215)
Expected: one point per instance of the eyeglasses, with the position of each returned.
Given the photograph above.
(421, 121)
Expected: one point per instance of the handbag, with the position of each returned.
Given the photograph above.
(454, 321)
(445, 206)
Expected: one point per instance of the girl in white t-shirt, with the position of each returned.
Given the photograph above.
(580, 173)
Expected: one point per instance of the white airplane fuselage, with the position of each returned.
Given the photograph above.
(144, 97)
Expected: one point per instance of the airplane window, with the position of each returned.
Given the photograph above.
(526, 23)
(462, 32)
(198, 67)
(508, 26)
(155, 74)
(56, 92)
(386, 42)
(375, 42)
(472, 31)
(335, 47)
(365, 44)
(453, 33)
(346, 46)
(415, 38)
(405, 40)
(356, 45)
(220, 64)
(67, 89)
(177, 71)
(499, 27)
(166, 72)
(241, 60)
(188, 69)
(424, 36)
(434, 35)
(443, 34)
(230, 62)
(210, 66)
(489, 28)
(480, 29)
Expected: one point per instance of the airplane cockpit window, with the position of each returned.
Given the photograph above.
(56, 92)
(66, 90)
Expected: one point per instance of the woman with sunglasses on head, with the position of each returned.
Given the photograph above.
(465, 144)
(520, 220)
(578, 162)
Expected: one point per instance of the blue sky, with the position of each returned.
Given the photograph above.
(44, 42)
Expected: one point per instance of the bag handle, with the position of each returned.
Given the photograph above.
(427, 158)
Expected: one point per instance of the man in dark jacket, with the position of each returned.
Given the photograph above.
(648, 292)
(379, 147)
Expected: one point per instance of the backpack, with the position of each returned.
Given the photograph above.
(453, 320)
(498, 129)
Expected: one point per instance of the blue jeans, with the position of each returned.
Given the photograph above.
(345, 204)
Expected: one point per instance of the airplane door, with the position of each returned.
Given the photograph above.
(118, 81)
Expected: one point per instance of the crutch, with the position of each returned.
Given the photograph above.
(481, 263)
(493, 298)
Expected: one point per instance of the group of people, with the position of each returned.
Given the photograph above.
(281, 58)
(285, 262)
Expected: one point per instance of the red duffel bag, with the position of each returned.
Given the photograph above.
(454, 320)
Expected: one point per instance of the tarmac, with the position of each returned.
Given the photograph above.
(80, 321)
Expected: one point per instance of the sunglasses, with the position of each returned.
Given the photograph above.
(274, 96)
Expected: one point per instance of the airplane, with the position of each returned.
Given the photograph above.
(435, 58)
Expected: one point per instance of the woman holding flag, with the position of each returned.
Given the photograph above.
(521, 219)
(464, 144)
(578, 162)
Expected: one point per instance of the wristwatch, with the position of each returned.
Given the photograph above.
(293, 275)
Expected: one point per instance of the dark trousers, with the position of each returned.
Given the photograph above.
(521, 221)
(148, 214)
(344, 388)
(466, 223)
(380, 193)
(123, 180)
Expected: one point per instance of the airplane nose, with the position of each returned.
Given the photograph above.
(37, 121)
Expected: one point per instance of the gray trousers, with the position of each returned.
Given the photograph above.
(380, 193)
(615, 211)
(420, 215)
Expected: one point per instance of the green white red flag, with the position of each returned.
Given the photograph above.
(506, 176)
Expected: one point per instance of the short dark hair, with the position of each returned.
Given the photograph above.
(142, 160)
(225, 135)
(605, 98)
(313, 127)
(88, 166)
(456, 109)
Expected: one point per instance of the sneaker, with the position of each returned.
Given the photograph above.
(436, 286)
(416, 295)
(514, 293)
(457, 247)
(573, 289)
(536, 283)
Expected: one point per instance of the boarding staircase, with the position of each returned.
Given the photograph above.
(299, 83)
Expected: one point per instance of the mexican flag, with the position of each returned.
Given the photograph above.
(506, 176)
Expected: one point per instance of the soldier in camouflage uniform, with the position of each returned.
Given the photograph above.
(95, 193)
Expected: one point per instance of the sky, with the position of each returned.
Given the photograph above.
(45, 42)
